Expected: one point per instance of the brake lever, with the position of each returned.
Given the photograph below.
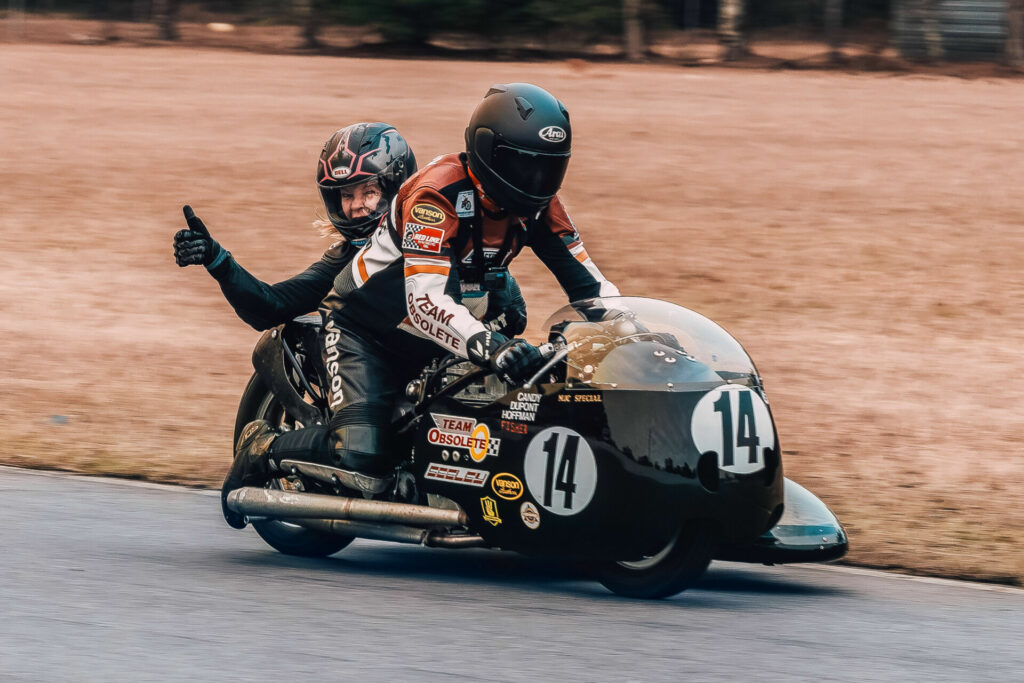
(554, 355)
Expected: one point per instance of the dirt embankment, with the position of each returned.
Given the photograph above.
(859, 233)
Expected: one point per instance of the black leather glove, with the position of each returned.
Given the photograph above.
(514, 360)
(194, 246)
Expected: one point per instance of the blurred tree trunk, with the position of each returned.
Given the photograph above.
(165, 14)
(633, 30)
(305, 10)
(1015, 32)
(691, 14)
(834, 28)
(925, 13)
(730, 29)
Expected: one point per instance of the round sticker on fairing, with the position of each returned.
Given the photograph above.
(734, 422)
(561, 472)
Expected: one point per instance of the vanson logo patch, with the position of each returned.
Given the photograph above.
(428, 214)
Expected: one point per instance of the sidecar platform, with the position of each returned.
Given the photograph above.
(806, 532)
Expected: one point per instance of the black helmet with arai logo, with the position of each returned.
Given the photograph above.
(518, 143)
(357, 154)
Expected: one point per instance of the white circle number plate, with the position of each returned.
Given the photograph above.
(561, 472)
(734, 422)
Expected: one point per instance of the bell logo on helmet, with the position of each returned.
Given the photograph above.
(552, 134)
(341, 172)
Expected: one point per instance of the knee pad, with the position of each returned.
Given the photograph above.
(361, 438)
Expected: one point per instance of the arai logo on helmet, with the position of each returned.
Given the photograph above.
(341, 172)
(552, 134)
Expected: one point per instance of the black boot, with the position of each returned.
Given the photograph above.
(251, 466)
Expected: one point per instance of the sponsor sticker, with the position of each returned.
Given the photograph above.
(422, 238)
(507, 486)
(579, 398)
(341, 172)
(490, 508)
(465, 205)
(561, 472)
(735, 423)
(428, 214)
(463, 432)
(530, 515)
(513, 427)
(456, 475)
(522, 408)
(552, 134)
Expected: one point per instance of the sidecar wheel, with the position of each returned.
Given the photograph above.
(259, 403)
(672, 570)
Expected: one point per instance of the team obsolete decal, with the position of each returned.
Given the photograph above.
(734, 422)
(561, 472)
(463, 432)
(530, 515)
(507, 486)
(456, 475)
(523, 408)
(422, 238)
(428, 214)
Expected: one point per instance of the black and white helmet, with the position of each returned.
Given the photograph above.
(357, 154)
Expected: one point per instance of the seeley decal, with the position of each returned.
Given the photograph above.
(456, 475)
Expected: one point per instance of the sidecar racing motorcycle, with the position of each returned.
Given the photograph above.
(645, 448)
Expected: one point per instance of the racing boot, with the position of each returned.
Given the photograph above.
(252, 465)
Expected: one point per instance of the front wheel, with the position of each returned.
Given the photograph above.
(259, 403)
(671, 570)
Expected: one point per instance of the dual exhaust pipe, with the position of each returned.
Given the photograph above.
(376, 519)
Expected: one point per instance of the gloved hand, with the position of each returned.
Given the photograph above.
(194, 246)
(514, 360)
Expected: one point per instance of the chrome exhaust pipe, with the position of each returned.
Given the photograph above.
(391, 532)
(259, 502)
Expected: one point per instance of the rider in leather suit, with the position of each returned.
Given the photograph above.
(365, 164)
(409, 292)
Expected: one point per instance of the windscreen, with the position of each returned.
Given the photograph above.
(638, 343)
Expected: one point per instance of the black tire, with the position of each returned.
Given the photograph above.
(672, 570)
(258, 403)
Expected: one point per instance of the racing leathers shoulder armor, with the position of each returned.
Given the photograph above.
(427, 265)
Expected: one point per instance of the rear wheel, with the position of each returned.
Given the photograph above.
(259, 403)
(671, 570)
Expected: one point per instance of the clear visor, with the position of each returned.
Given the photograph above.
(332, 194)
(532, 173)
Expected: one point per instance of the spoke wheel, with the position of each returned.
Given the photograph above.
(259, 403)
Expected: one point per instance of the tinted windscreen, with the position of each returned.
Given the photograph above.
(532, 173)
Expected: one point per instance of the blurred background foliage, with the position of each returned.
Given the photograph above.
(417, 21)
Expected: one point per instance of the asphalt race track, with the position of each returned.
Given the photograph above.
(107, 580)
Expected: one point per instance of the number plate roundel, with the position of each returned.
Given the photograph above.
(734, 422)
(561, 473)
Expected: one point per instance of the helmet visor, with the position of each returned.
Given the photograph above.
(532, 173)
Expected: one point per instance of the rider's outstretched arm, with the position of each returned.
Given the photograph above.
(554, 239)
(260, 305)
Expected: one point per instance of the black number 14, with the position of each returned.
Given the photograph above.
(746, 432)
(565, 479)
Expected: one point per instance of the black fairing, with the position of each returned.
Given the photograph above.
(647, 473)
